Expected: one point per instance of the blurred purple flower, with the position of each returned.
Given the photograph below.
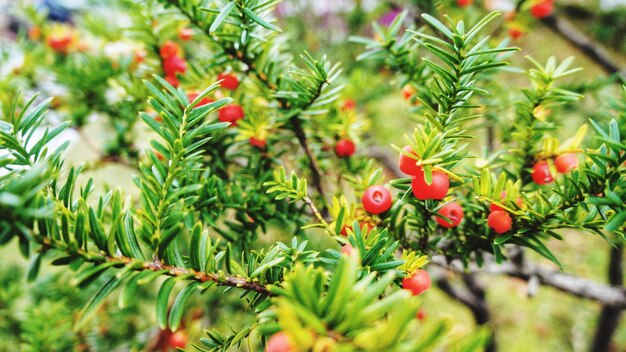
(387, 18)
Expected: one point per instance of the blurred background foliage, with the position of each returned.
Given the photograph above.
(38, 316)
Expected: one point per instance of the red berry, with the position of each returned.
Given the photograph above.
(231, 113)
(34, 33)
(348, 104)
(60, 44)
(279, 342)
(139, 56)
(515, 33)
(185, 34)
(174, 64)
(453, 211)
(257, 142)
(172, 79)
(418, 283)
(541, 173)
(542, 9)
(494, 207)
(408, 164)
(204, 101)
(344, 230)
(438, 188)
(566, 162)
(499, 221)
(169, 49)
(463, 3)
(229, 81)
(345, 148)
(177, 340)
(376, 200)
(421, 315)
(347, 249)
(407, 92)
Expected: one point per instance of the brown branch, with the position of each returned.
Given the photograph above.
(315, 171)
(156, 265)
(609, 318)
(606, 294)
(595, 52)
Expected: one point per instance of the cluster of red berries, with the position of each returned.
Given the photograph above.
(437, 189)
(451, 214)
(173, 62)
(564, 163)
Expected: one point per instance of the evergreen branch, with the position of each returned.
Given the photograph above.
(155, 265)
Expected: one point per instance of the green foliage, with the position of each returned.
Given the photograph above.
(212, 211)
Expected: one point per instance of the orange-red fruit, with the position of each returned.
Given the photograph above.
(174, 64)
(566, 162)
(515, 33)
(348, 104)
(279, 342)
(494, 207)
(463, 3)
(438, 189)
(542, 9)
(139, 56)
(541, 173)
(60, 44)
(421, 315)
(407, 92)
(177, 340)
(34, 33)
(499, 221)
(408, 164)
(172, 79)
(347, 249)
(204, 101)
(418, 283)
(169, 49)
(231, 113)
(376, 200)
(345, 148)
(453, 211)
(257, 142)
(185, 34)
(229, 81)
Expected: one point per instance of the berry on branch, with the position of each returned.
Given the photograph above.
(345, 148)
(417, 283)
(453, 211)
(229, 81)
(409, 165)
(541, 173)
(437, 189)
(500, 221)
(279, 342)
(231, 113)
(376, 200)
(566, 162)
